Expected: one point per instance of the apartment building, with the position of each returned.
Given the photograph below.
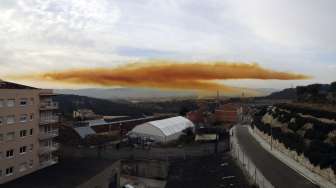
(28, 124)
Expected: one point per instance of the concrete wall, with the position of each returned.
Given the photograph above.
(109, 178)
(145, 168)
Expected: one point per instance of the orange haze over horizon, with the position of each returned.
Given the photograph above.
(200, 76)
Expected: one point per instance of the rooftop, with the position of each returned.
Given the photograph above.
(84, 131)
(172, 125)
(69, 173)
(11, 85)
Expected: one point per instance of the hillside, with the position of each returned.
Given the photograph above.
(289, 94)
(127, 93)
(313, 93)
(317, 93)
(69, 103)
(309, 132)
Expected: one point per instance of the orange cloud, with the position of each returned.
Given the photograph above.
(202, 76)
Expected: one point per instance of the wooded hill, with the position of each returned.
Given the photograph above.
(69, 103)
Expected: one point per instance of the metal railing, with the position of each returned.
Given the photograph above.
(50, 162)
(48, 149)
(49, 119)
(48, 106)
(49, 134)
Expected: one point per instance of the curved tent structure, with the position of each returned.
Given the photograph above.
(164, 130)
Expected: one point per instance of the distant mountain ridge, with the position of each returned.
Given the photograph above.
(138, 93)
(289, 93)
(320, 93)
(127, 93)
(69, 103)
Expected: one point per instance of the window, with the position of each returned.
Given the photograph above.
(23, 167)
(23, 149)
(9, 171)
(2, 103)
(23, 133)
(1, 120)
(23, 102)
(10, 153)
(10, 119)
(1, 137)
(31, 132)
(31, 117)
(23, 118)
(10, 136)
(11, 102)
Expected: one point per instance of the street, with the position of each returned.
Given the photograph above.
(279, 174)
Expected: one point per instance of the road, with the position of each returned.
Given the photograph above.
(279, 174)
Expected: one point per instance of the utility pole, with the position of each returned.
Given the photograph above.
(271, 134)
(217, 98)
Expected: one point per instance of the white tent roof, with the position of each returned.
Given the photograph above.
(172, 125)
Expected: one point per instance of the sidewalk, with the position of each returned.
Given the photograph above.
(314, 178)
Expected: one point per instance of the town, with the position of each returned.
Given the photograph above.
(213, 141)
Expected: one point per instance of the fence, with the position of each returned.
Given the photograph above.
(246, 164)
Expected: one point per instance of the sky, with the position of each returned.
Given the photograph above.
(52, 35)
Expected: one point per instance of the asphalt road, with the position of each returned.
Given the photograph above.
(279, 174)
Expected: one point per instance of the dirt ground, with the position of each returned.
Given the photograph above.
(206, 172)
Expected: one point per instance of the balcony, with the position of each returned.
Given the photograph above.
(47, 92)
(49, 120)
(47, 163)
(48, 106)
(49, 134)
(48, 149)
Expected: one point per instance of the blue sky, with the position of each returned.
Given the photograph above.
(47, 35)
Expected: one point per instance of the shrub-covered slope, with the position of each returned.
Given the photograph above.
(306, 131)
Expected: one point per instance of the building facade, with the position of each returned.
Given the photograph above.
(28, 124)
(227, 113)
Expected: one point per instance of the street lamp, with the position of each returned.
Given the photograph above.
(271, 136)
